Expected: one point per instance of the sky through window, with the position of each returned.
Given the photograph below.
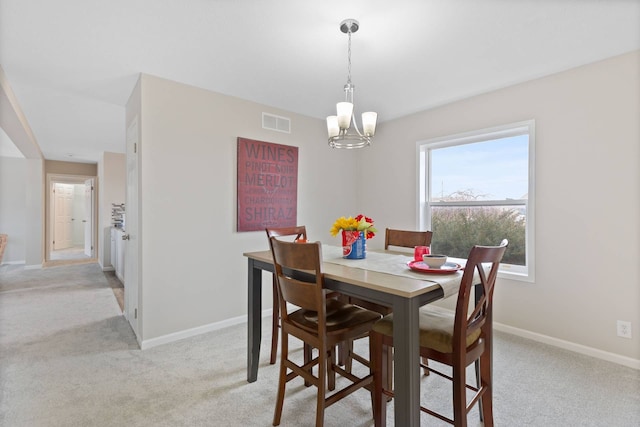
(496, 169)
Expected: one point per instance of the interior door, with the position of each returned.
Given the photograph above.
(131, 232)
(88, 220)
(63, 207)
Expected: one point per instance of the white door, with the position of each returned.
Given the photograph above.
(88, 220)
(63, 207)
(131, 247)
(78, 215)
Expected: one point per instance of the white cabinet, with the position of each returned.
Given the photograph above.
(117, 252)
(113, 248)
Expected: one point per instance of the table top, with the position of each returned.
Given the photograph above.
(399, 281)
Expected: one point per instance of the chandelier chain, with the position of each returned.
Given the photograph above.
(349, 60)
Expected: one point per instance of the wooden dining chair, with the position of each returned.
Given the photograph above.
(398, 239)
(298, 232)
(406, 238)
(320, 322)
(456, 340)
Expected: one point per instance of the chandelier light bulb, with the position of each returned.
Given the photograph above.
(332, 126)
(345, 110)
(369, 123)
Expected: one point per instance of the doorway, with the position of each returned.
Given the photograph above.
(71, 220)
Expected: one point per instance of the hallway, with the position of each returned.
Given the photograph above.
(74, 252)
(68, 256)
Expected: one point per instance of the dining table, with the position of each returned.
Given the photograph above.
(382, 277)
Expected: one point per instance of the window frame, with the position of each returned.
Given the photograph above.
(423, 159)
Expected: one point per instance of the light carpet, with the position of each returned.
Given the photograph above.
(69, 358)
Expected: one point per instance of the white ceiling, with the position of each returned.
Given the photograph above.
(72, 64)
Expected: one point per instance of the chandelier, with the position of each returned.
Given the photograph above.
(339, 126)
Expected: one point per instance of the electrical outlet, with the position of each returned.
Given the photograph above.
(624, 329)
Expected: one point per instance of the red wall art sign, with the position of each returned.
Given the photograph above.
(267, 185)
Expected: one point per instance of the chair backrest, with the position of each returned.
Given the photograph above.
(305, 292)
(407, 238)
(469, 319)
(299, 231)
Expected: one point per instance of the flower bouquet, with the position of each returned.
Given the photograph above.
(355, 232)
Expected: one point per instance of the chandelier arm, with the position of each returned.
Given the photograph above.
(355, 125)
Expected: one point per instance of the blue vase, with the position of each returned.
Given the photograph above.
(358, 248)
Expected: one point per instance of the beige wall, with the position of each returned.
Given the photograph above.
(70, 168)
(193, 271)
(13, 208)
(587, 206)
(588, 200)
(35, 209)
(16, 127)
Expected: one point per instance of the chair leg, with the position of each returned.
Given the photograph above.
(388, 360)
(322, 381)
(275, 323)
(307, 354)
(476, 366)
(282, 380)
(331, 373)
(342, 354)
(459, 394)
(347, 351)
(486, 402)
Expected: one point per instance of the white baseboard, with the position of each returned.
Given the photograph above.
(32, 266)
(165, 339)
(13, 262)
(556, 342)
(567, 345)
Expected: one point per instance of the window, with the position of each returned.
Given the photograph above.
(478, 188)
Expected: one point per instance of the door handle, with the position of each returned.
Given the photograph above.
(125, 237)
(84, 220)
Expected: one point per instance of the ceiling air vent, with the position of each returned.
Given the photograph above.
(277, 123)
